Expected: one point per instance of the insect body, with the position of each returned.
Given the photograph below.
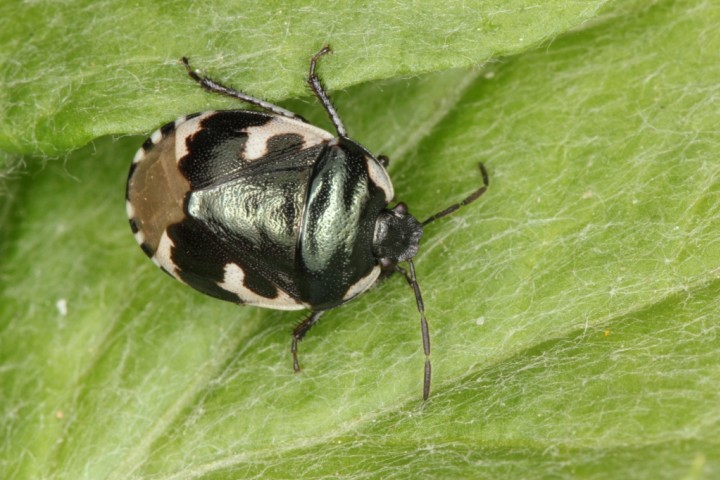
(261, 208)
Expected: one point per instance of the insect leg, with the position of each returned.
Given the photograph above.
(299, 332)
(412, 281)
(471, 198)
(212, 86)
(319, 92)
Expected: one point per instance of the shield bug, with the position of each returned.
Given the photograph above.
(261, 208)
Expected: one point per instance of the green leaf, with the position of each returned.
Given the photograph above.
(73, 71)
(573, 309)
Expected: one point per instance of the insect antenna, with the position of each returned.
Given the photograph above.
(471, 198)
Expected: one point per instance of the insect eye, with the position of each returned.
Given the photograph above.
(400, 209)
(386, 263)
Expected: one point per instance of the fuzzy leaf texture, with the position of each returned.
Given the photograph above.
(573, 309)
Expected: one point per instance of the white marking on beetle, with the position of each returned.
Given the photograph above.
(156, 137)
(139, 155)
(379, 176)
(234, 282)
(163, 255)
(139, 237)
(129, 209)
(185, 128)
(363, 284)
(256, 144)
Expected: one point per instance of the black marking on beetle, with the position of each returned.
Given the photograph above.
(213, 150)
(167, 129)
(200, 261)
(133, 226)
(147, 249)
(148, 145)
(281, 146)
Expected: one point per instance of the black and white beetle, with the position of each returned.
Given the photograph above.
(264, 209)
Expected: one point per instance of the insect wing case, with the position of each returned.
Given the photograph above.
(247, 175)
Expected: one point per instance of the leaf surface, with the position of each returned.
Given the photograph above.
(573, 308)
